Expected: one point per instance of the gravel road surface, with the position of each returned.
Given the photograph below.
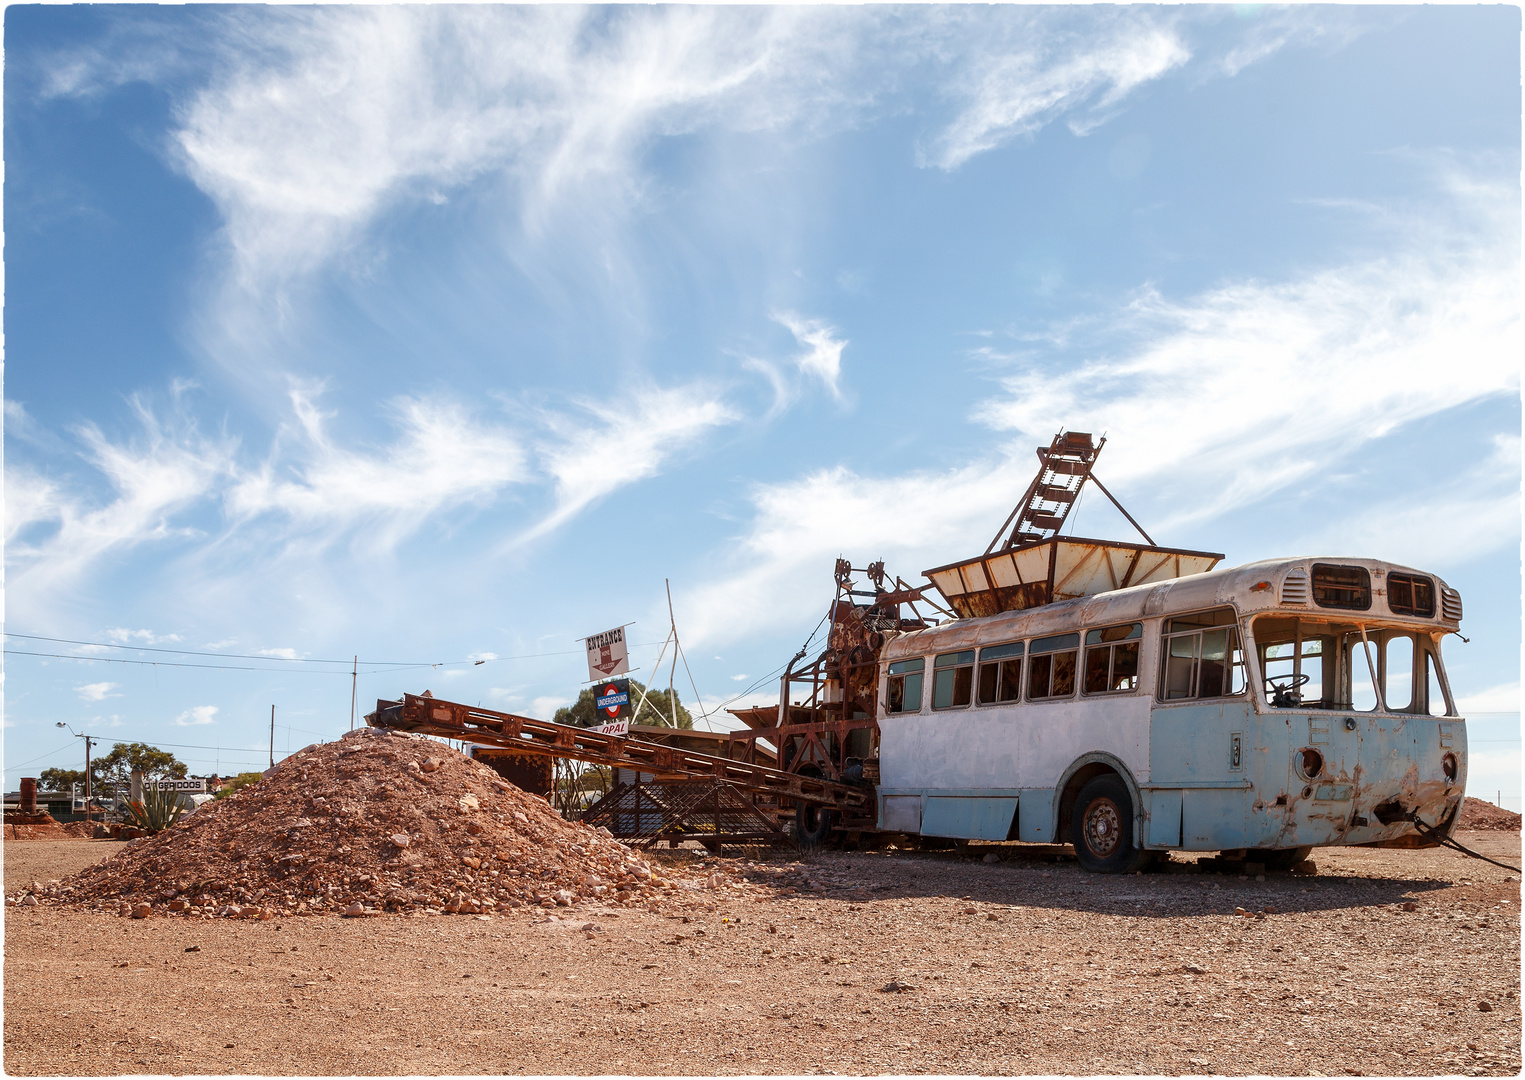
(887, 962)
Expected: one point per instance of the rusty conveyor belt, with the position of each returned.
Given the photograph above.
(452, 720)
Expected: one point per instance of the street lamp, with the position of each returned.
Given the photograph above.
(87, 739)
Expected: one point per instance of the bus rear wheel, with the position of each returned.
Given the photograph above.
(1101, 828)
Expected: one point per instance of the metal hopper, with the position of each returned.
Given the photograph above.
(1062, 568)
(1035, 565)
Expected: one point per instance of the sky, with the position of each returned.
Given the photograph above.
(442, 337)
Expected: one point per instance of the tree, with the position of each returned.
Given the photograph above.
(60, 779)
(117, 766)
(656, 709)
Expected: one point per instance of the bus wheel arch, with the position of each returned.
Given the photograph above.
(1082, 771)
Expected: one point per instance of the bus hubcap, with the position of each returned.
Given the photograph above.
(1103, 827)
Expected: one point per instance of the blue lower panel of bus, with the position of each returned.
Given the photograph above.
(1164, 818)
(967, 818)
(1213, 818)
(1035, 815)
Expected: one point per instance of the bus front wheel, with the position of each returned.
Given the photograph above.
(1101, 828)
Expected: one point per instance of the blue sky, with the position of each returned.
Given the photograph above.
(437, 335)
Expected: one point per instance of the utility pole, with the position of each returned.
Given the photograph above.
(272, 736)
(87, 739)
(672, 697)
(87, 778)
(354, 682)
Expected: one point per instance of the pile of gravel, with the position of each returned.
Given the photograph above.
(1484, 816)
(379, 821)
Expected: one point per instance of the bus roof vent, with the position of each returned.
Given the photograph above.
(1450, 603)
(1294, 587)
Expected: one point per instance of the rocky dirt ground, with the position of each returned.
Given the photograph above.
(869, 963)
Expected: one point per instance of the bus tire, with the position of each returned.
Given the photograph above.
(1101, 828)
(1278, 858)
(812, 824)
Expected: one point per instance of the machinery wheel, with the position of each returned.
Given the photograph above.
(1101, 828)
(1278, 858)
(812, 824)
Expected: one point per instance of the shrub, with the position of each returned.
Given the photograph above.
(158, 810)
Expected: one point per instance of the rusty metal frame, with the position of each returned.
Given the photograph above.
(453, 720)
(712, 813)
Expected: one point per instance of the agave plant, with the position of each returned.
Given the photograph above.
(157, 811)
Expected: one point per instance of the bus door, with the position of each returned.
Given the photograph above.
(1317, 677)
(1406, 729)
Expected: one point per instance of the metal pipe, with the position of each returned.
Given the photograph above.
(1376, 684)
(1097, 481)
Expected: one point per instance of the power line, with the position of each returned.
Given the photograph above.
(194, 652)
(182, 664)
(49, 754)
(384, 667)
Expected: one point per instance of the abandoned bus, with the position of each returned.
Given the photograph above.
(1264, 709)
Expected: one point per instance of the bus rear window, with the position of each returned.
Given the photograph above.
(1344, 587)
(1111, 664)
(904, 692)
(1409, 594)
(953, 680)
(1051, 667)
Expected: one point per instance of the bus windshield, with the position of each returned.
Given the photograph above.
(1326, 664)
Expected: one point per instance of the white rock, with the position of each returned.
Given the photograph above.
(400, 839)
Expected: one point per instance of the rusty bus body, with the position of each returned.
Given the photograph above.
(1263, 709)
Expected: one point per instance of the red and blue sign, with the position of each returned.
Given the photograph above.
(613, 700)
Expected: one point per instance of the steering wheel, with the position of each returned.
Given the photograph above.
(1284, 689)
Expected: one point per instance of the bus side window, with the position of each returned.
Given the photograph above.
(1202, 657)
(904, 692)
(1361, 658)
(1000, 673)
(1051, 667)
(1436, 696)
(1398, 672)
(1112, 659)
(953, 680)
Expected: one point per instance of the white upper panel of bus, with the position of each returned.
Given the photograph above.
(1254, 588)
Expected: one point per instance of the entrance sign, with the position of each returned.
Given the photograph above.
(607, 655)
(618, 727)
